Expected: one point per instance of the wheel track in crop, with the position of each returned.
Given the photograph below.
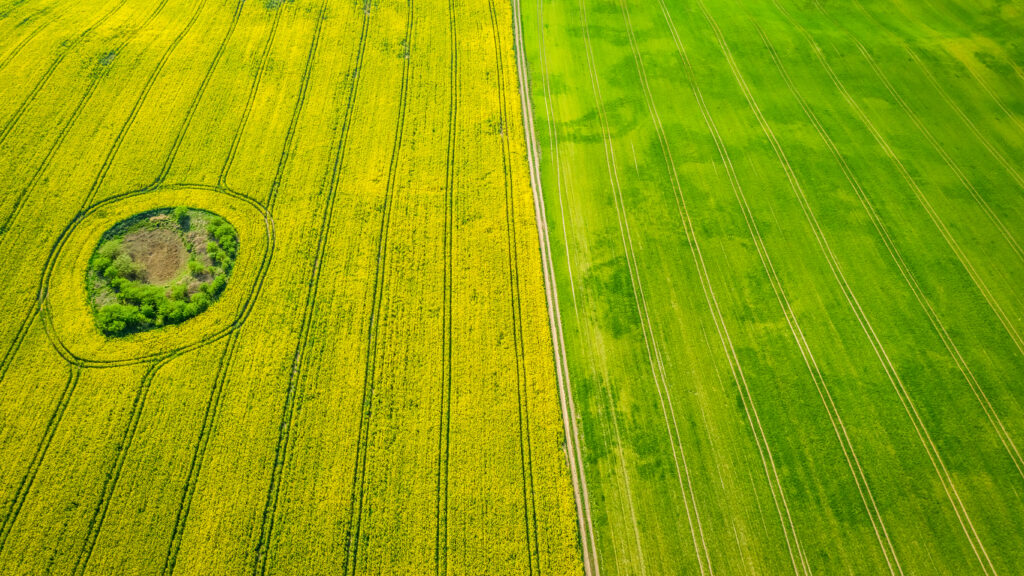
(35, 310)
(97, 77)
(24, 41)
(945, 478)
(865, 492)
(522, 384)
(100, 512)
(950, 162)
(281, 450)
(253, 90)
(567, 406)
(904, 268)
(1003, 229)
(25, 485)
(660, 376)
(821, 385)
(797, 556)
(198, 97)
(970, 70)
(370, 376)
(444, 418)
(67, 49)
(1007, 165)
(112, 477)
(112, 152)
(195, 465)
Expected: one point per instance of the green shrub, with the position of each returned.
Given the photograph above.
(122, 267)
(181, 216)
(119, 318)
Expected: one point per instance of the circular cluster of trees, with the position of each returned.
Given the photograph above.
(122, 292)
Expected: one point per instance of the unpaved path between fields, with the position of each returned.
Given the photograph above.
(568, 408)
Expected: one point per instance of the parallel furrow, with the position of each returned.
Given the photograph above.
(64, 52)
(444, 417)
(910, 408)
(282, 449)
(25, 485)
(379, 285)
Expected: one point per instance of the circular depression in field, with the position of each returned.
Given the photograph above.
(68, 306)
(159, 268)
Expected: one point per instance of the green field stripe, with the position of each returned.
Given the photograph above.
(893, 250)
(925, 203)
(909, 404)
(613, 186)
(797, 554)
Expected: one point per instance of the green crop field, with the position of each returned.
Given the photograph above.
(369, 391)
(787, 239)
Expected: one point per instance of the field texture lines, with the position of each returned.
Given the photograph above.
(374, 391)
(787, 235)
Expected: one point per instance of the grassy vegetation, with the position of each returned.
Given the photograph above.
(787, 243)
(373, 391)
(176, 266)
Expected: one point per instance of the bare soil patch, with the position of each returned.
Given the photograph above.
(160, 253)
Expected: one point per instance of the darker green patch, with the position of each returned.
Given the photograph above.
(160, 267)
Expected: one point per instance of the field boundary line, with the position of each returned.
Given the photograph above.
(574, 455)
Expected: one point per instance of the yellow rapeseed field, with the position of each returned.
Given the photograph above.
(374, 392)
